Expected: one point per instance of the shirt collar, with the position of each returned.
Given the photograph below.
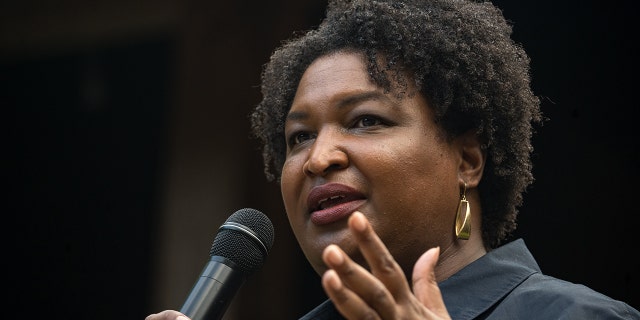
(484, 282)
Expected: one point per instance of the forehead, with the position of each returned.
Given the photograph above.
(331, 73)
(346, 70)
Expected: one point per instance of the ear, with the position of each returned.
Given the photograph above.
(472, 158)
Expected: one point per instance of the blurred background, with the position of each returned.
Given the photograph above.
(127, 145)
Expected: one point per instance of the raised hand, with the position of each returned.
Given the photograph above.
(383, 292)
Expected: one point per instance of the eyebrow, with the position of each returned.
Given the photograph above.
(350, 100)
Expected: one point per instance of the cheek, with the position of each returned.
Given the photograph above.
(420, 181)
(410, 166)
(288, 182)
(424, 200)
(433, 177)
(291, 183)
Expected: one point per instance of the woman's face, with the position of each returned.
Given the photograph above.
(352, 147)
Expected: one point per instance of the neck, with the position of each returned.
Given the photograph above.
(457, 255)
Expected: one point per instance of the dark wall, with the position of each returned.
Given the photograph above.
(87, 136)
(89, 127)
(577, 218)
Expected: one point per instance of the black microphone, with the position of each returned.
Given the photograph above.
(240, 248)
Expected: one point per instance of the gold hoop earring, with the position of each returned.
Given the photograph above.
(463, 218)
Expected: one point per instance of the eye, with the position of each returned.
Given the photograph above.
(368, 121)
(299, 137)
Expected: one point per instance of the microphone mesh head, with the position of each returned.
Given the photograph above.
(240, 247)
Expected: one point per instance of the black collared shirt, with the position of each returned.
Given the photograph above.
(507, 283)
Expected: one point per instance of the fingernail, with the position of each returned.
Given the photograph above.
(333, 280)
(334, 255)
(359, 222)
(182, 318)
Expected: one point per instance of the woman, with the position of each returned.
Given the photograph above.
(400, 134)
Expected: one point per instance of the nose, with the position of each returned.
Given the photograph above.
(325, 156)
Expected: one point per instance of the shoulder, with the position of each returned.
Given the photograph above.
(553, 298)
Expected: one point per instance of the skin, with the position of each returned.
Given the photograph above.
(393, 153)
(383, 260)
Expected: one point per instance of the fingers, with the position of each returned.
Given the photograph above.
(167, 315)
(355, 292)
(383, 291)
(349, 304)
(425, 286)
(380, 260)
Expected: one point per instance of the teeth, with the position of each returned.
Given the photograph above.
(327, 199)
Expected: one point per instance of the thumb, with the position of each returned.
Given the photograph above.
(425, 286)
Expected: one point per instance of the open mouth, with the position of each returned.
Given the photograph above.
(330, 209)
(330, 202)
(331, 195)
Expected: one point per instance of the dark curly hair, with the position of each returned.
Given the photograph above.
(461, 56)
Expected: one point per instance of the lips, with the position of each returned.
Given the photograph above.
(333, 202)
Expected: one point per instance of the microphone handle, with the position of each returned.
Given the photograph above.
(214, 290)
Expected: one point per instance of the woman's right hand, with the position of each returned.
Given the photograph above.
(383, 292)
(167, 315)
